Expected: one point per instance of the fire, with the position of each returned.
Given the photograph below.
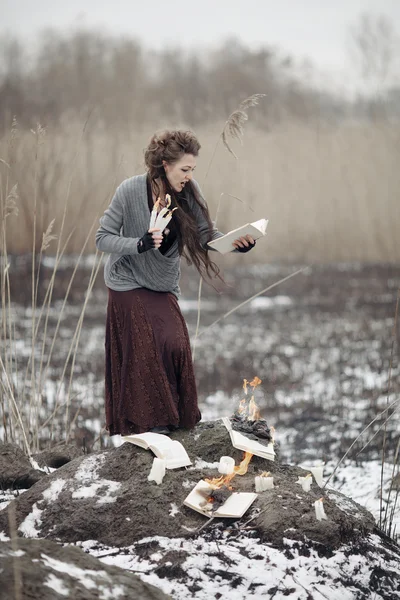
(249, 409)
(254, 411)
(242, 406)
(218, 482)
(256, 381)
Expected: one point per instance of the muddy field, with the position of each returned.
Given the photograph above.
(321, 342)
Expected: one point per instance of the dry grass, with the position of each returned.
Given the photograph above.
(331, 193)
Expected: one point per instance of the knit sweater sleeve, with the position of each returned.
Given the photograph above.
(206, 234)
(109, 236)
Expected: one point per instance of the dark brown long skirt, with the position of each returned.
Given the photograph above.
(149, 375)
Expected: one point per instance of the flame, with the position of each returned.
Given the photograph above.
(256, 382)
(265, 474)
(219, 482)
(249, 409)
(242, 406)
(253, 411)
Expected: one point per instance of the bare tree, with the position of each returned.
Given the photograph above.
(373, 47)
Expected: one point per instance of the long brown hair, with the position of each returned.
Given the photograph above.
(170, 146)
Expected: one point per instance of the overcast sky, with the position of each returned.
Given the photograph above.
(316, 29)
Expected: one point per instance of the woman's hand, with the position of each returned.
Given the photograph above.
(244, 244)
(152, 239)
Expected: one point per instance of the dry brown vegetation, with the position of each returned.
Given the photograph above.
(331, 192)
(322, 169)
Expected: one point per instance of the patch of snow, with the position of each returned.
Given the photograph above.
(345, 504)
(188, 484)
(3, 537)
(6, 496)
(29, 526)
(52, 493)
(17, 553)
(89, 467)
(56, 584)
(107, 486)
(115, 592)
(361, 483)
(174, 510)
(269, 302)
(86, 577)
(87, 474)
(187, 305)
(243, 567)
(202, 464)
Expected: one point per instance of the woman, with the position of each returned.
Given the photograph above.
(149, 380)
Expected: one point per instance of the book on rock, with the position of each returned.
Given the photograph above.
(234, 507)
(242, 442)
(162, 446)
(224, 243)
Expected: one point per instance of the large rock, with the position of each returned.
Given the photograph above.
(45, 570)
(107, 497)
(16, 471)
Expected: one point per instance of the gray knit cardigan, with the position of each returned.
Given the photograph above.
(124, 222)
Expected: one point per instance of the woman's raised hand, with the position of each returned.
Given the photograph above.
(244, 244)
(152, 239)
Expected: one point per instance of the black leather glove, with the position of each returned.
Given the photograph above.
(146, 243)
(246, 248)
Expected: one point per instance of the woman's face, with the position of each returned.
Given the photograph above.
(180, 172)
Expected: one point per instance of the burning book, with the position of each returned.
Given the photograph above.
(215, 498)
(234, 507)
(241, 442)
(248, 431)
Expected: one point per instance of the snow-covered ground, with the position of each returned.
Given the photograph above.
(322, 346)
(240, 567)
(226, 560)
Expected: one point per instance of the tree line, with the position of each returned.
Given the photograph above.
(125, 84)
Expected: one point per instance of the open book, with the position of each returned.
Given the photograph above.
(162, 446)
(224, 243)
(241, 442)
(234, 507)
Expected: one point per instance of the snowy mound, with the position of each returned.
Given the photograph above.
(105, 503)
(45, 570)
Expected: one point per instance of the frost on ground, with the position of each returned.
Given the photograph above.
(235, 565)
(29, 527)
(44, 570)
(362, 483)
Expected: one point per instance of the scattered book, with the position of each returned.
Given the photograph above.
(162, 446)
(234, 507)
(242, 442)
(224, 243)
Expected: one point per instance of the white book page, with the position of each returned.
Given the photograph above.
(239, 438)
(176, 455)
(148, 439)
(236, 505)
(241, 442)
(224, 244)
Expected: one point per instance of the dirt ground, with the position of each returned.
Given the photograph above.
(323, 343)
